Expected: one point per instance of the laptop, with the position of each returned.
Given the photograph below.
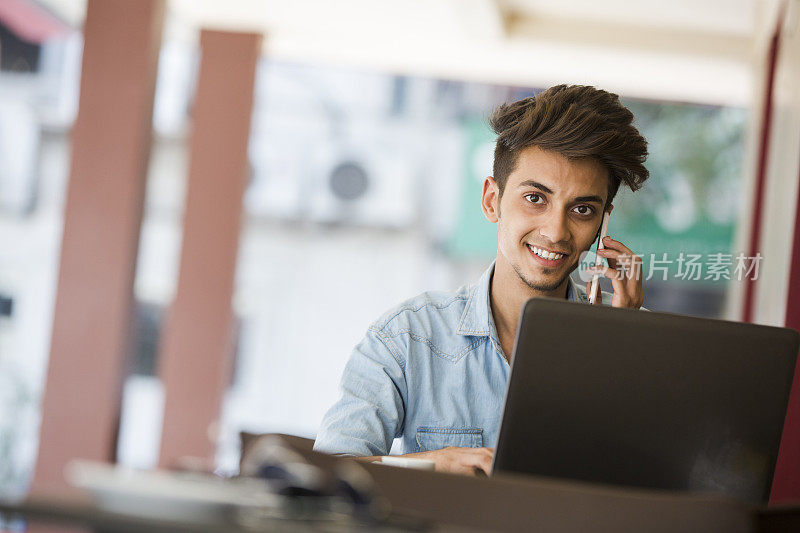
(646, 399)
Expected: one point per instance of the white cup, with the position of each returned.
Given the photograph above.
(407, 462)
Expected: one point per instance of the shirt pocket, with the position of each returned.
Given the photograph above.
(436, 438)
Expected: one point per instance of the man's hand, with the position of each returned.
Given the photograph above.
(469, 461)
(625, 273)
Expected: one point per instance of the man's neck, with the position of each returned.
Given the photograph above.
(507, 294)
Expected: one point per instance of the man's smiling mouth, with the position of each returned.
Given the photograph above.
(546, 255)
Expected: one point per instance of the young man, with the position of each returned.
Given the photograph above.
(433, 371)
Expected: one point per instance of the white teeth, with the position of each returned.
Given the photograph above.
(552, 256)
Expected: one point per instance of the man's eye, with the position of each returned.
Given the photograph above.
(533, 198)
(584, 210)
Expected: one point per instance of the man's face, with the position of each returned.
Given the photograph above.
(550, 205)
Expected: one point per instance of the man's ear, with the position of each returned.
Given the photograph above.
(490, 200)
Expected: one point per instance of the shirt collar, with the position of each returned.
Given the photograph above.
(477, 313)
(477, 316)
(576, 293)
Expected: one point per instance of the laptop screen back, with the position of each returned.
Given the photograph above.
(646, 399)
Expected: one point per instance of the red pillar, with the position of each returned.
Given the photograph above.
(786, 484)
(94, 301)
(195, 358)
(761, 170)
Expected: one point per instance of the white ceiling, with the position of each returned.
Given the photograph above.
(715, 16)
(689, 50)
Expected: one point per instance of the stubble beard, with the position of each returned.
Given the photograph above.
(540, 286)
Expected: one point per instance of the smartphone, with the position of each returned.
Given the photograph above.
(596, 277)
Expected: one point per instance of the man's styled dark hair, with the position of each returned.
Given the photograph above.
(576, 121)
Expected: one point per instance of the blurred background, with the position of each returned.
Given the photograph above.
(368, 146)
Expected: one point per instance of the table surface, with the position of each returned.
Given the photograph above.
(423, 500)
(76, 508)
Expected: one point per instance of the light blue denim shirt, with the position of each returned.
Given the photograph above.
(431, 372)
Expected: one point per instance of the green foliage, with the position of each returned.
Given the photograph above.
(691, 202)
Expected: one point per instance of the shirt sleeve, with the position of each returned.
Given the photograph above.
(370, 412)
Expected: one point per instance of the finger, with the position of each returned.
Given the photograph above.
(485, 464)
(630, 266)
(612, 256)
(625, 263)
(630, 262)
(635, 268)
(480, 459)
(610, 253)
(608, 242)
(602, 270)
(623, 292)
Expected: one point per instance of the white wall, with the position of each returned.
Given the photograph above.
(783, 170)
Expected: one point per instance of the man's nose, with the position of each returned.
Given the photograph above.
(555, 228)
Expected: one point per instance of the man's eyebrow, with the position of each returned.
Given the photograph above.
(593, 198)
(544, 188)
(536, 185)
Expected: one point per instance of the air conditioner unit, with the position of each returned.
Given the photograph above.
(368, 180)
